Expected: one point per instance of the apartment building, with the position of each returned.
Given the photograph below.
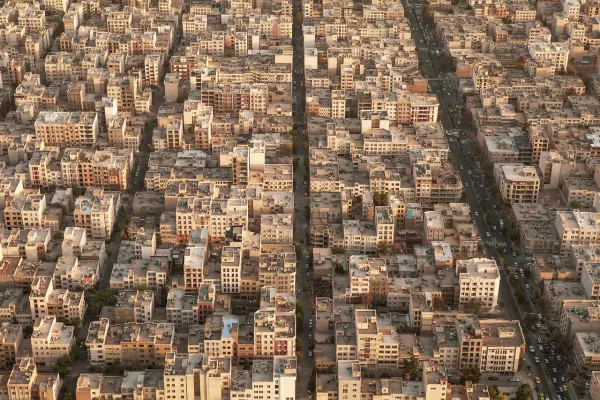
(134, 306)
(124, 89)
(143, 344)
(25, 383)
(276, 229)
(277, 267)
(41, 290)
(96, 212)
(182, 309)
(66, 305)
(221, 336)
(478, 280)
(349, 380)
(577, 228)
(557, 53)
(517, 183)
(231, 269)
(67, 128)
(274, 335)
(495, 346)
(586, 348)
(50, 340)
(11, 336)
(194, 266)
(579, 316)
(25, 211)
(29, 244)
(152, 272)
(14, 306)
(75, 273)
(595, 385)
(186, 374)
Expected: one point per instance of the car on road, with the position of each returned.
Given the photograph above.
(493, 378)
(532, 349)
(537, 360)
(554, 370)
(487, 234)
(310, 353)
(546, 361)
(537, 380)
(553, 380)
(309, 336)
(562, 379)
(513, 380)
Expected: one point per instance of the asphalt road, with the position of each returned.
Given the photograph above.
(465, 164)
(300, 201)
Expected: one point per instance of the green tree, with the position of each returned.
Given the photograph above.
(470, 373)
(523, 393)
(472, 306)
(574, 204)
(519, 294)
(115, 369)
(299, 355)
(102, 298)
(438, 303)
(495, 393)
(27, 331)
(298, 249)
(427, 14)
(337, 250)
(63, 365)
(380, 198)
(383, 248)
(411, 368)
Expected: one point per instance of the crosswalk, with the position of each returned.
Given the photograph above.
(540, 339)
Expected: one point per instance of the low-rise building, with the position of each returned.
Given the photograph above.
(51, 340)
(132, 343)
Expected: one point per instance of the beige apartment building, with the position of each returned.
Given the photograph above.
(586, 348)
(25, 383)
(221, 337)
(274, 335)
(25, 211)
(96, 212)
(144, 344)
(231, 269)
(277, 267)
(517, 183)
(50, 340)
(478, 279)
(577, 228)
(76, 273)
(595, 385)
(124, 89)
(276, 229)
(66, 304)
(182, 309)
(67, 128)
(134, 306)
(579, 316)
(11, 336)
(556, 52)
(194, 265)
(152, 272)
